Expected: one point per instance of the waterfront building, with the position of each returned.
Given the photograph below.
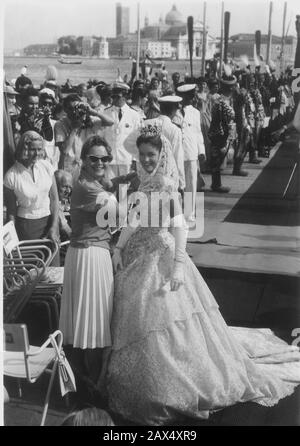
(122, 20)
(87, 46)
(244, 44)
(100, 48)
(166, 39)
(153, 48)
(41, 49)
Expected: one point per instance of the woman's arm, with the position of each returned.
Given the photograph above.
(11, 204)
(179, 230)
(53, 232)
(105, 118)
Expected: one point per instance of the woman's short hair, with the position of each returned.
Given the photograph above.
(72, 97)
(138, 93)
(92, 141)
(92, 416)
(149, 139)
(24, 143)
(30, 91)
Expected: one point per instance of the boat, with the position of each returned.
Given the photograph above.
(67, 61)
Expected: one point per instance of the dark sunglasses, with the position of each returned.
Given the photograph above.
(104, 159)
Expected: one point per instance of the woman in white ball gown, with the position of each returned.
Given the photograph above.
(172, 354)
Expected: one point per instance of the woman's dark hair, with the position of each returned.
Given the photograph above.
(154, 79)
(95, 140)
(226, 88)
(72, 97)
(58, 108)
(150, 139)
(30, 91)
(138, 93)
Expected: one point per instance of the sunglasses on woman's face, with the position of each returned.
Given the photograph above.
(103, 159)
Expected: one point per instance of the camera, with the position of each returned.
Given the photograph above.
(80, 110)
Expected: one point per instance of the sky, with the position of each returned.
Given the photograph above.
(43, 21)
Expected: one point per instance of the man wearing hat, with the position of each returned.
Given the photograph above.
(168, 109)
(222, 131)
(122, 135)
(193, 143)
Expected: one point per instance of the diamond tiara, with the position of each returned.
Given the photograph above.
(151, 130)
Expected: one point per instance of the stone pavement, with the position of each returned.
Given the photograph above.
(251, 229)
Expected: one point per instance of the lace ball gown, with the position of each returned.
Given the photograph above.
(173, 356)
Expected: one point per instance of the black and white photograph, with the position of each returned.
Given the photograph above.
(150, 215)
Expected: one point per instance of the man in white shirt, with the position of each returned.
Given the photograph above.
(193, 143)
(122, 135)
(73, 130)
(168, 108)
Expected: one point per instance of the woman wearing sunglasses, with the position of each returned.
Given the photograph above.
(88, 278)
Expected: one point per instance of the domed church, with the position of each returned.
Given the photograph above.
(174, 30)
(174, 17)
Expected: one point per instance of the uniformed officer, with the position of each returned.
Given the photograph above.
(222, 131)
(168, 109)
(193, 144)
(122, 135)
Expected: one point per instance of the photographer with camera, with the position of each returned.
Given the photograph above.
(32, 117)
(47, 104)
(71, 132)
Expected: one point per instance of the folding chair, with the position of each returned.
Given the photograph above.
(24, 361)
(24, 264)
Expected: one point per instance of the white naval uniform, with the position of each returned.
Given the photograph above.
(121, 137)
(193, 146)
(174, 135)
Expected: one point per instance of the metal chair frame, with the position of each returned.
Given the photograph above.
(16, 337)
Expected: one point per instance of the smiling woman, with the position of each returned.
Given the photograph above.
(30, 191)
(88, 278)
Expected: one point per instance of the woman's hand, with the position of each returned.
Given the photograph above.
(177, 277)
(117, 260)
(53, 234)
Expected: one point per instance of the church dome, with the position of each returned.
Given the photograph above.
(174, 17)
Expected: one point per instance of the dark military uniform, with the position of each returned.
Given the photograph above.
(222, 134)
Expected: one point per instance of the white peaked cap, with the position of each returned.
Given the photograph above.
(170, 98)
(186, 87)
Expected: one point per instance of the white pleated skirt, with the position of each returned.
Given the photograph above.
(87, 298)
